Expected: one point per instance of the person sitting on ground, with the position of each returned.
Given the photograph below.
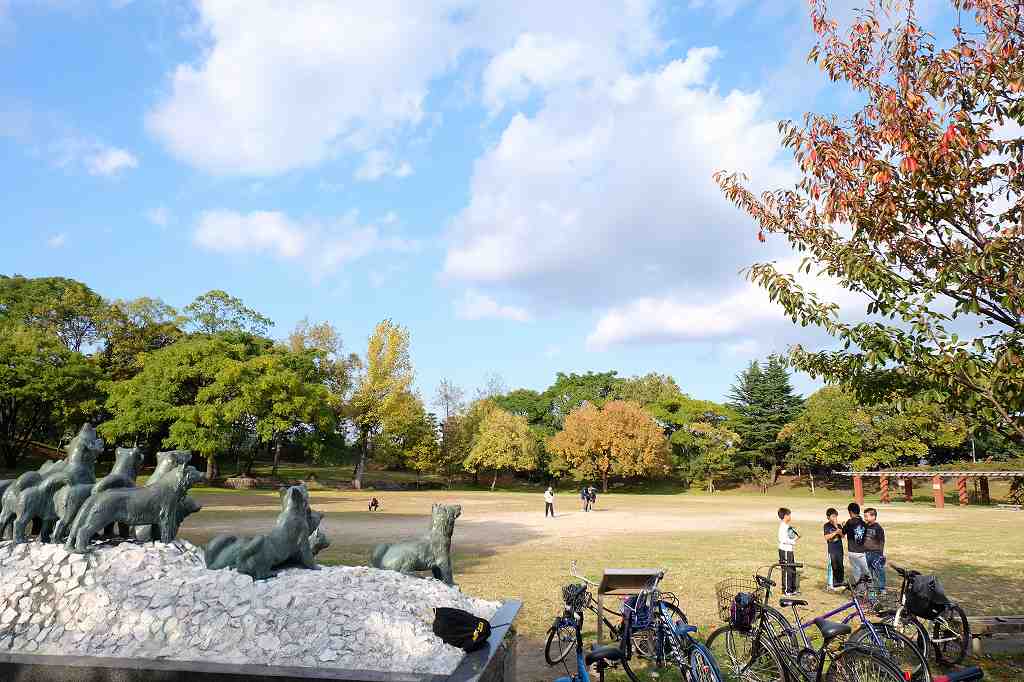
(854, 529)
(787, 545)
(834, 550)
(874, 547)
(549, 502)
(374, 504)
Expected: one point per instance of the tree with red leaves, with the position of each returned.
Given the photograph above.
(915, 202)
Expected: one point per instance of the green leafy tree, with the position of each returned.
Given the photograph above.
(573, 390)
(764, 400)
(146, 406)
(382, 389)
(677, 414)
(504, 443)
(217, 311)
(66, 308)
(131, 328)
(453, 445)
(912, 201)
(648, 389)
(716, 448)
(43, 387)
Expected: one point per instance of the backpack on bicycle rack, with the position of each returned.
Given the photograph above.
(925, 598)
(743, 611)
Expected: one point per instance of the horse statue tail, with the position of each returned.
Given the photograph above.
(377, 557)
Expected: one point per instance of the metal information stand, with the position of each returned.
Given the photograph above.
(621, 582)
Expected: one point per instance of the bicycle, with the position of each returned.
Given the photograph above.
(578, 597)
(950, 635)
(601, 659)
(775, 650)
(671, 639)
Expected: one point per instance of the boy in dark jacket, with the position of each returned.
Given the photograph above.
(834, 548)
(874, 547)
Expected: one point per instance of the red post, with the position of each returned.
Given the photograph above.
(884, 488)
(858, 489)
(985, 499)
(937, 492)
(961, 489)
(908, 490)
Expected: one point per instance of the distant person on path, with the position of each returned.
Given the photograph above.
(834, 549)
(787, 544)
(374, 504)
(854, 529)
(874, 547)
(585, 496)
(592, 494)
(549, 502)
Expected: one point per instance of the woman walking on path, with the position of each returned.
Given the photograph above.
(549, 502)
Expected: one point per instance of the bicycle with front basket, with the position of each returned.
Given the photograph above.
(766, 647)
(579, 597)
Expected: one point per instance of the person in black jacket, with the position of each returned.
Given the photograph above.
(834, 548)
(874, 547)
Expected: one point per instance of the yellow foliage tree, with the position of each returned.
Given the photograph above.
(504, 442)
(619, 439)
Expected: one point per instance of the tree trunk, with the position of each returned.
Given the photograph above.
(212, 470)
(495, 481)
(357, 478)
(604, 481)
(277, 456)
(811, 474)
(775, 474)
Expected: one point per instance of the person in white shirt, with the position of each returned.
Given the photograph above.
(549, 502)
(787, 544)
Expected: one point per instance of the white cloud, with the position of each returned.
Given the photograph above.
(159, 216)
(377, 163)
(111, 161)
(477, 306)
(279, 86)
(325, 245)
(57, 241)
(606, 194)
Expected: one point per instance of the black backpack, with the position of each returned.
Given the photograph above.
(925, 598)
(742, 611)
(461, 628)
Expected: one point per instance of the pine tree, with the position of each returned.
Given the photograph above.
(765, 400)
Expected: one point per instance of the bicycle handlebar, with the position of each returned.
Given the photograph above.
(966, 675)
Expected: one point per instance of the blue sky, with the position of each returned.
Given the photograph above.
(525, 186)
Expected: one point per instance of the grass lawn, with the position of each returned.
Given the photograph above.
(505, 548)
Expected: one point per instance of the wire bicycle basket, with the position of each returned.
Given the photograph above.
(726, 591)
(575, 596)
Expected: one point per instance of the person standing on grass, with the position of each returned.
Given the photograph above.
(854, 529)
(549, 502)
(787, 545)
(874, 547)
(585, 497)
(834, 550)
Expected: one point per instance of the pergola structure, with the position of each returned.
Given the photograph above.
(905, 480)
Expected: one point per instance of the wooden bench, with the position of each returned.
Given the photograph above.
(997, 634)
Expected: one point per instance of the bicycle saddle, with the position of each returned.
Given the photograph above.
(792, 602)
(604, 653)
(831, 629)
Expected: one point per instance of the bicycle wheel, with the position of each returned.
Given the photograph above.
(561, 642)
(703, 667)
(741, 658)
(911, 628)
(897, 648)
(858, 664)
(644, 639)
(951, 635)
(782, 630)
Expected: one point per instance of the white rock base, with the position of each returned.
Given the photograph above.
(159, 601)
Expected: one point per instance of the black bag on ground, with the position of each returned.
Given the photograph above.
(461, 628)
(743, 611)
(925, 598)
